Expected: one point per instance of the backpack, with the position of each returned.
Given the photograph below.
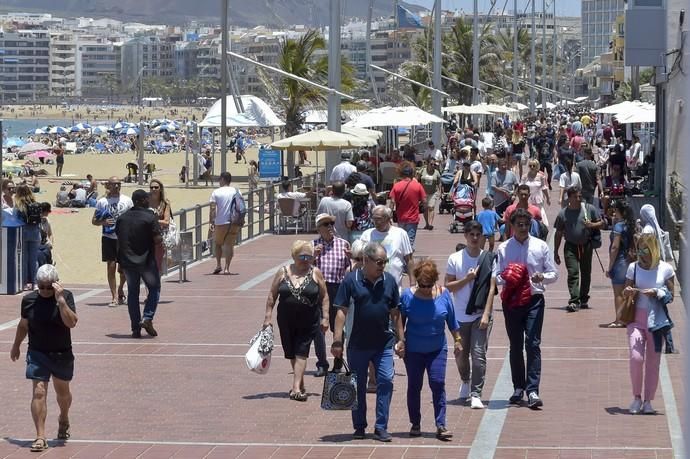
(538, 229)
(238, 209)
(33, 213)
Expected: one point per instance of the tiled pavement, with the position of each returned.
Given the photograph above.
(188, 394)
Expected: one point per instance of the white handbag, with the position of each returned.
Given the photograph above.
(256, 361)
(171, 238)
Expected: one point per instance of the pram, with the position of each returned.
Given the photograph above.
(463, 207)
(446, 201)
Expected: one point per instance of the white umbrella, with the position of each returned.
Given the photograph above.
(58, 130)
(644, 115)
(320, 139)
(395, 116)
(33, 146)
(518, 106)
(371, 135)
(37, 131)
(549, 106)
(624, 107)
(467, 110)
(100, 130)
(130, 131)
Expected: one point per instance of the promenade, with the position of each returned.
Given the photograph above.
(188, 393)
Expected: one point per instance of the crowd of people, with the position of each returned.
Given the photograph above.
(360, 279)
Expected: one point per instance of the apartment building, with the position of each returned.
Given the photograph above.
(97, 66)
(24, 65)
(598, 23)
(146, 57)
(63, 64)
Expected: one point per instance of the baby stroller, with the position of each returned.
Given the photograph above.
(463, 207)
(446, 202)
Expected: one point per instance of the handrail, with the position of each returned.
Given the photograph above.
(260, 219)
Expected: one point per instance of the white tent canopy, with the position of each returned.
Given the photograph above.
(467, 110)
(394, 116)
(549, 106)
(639, 115)
(625, 107)
(320, 116)
(257, 113)
(368, 134)
(321, 139)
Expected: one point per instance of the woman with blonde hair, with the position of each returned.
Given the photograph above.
(160, 206)
(650, 281)
(538, 188)
(299, 288)
(29, 211)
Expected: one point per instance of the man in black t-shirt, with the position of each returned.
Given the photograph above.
(47, 315)
(138, 232)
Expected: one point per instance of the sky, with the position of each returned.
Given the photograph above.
(563, 7)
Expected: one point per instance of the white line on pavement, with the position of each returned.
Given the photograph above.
(256, 280)
(674, 428)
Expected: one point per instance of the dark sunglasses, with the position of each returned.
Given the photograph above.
(306, 257)
(379, 263)
(45, 287)
(154, 188)
(326, 224)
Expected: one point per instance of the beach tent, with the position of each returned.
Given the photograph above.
(257, 113)
(394, 116)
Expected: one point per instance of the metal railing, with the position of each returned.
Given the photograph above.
(261, 219)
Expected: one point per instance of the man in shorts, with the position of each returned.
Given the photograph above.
(225, 233)
(47, 315)
(108, 209)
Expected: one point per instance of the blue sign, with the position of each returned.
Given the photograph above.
(270, 165)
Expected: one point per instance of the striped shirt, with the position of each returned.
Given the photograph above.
(333, 261)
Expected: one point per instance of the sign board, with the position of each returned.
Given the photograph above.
(185, 251)
(270, 165)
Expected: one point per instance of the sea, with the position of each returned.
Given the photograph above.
(21, 127)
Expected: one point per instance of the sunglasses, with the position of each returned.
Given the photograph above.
(45, 287)
(643, 251)
(115, 184)
(326, 224)
(379, 263)
(154, 188)
(533, 167)
(305, 257)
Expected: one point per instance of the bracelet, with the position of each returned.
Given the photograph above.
(458, 340)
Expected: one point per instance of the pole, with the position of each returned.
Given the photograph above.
(543, 53)
(140, 155)
(555, 43)
(532, 57)
(372, 78)
(224, 87)
(515, 51)
(437, 83)
(333, 80)
(475, 53)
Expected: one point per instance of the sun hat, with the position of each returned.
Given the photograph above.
(360, 189)
(321, 218)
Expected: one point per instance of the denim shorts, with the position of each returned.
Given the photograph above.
(617, 274)
(40, 365)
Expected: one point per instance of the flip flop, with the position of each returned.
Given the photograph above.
(217, 271)
(39, 445)
(615, 324)
(63, 430)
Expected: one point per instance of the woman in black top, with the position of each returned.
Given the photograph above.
(298, 287)
(47, 315)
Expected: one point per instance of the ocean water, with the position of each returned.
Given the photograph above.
(20, 127)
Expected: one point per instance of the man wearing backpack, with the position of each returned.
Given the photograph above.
(226, 219)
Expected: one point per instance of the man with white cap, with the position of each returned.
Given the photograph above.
(331, 256)
(342, 171)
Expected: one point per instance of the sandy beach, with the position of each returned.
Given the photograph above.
(104, 113)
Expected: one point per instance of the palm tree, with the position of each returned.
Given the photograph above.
(300, 57)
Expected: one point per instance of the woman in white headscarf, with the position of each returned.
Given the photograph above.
(650, 225)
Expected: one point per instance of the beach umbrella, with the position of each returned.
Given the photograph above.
(321, 139)
(13, 142)
(9, 166)
(130, 131)
(33, 146)
(100, 130)
(57, 130)
(79, 127)
(467, 110)
(394, 116)
(37, 131)
(170, 127)
(40, 154)
(120, 125)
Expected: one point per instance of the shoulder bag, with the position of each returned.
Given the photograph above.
(339, 390)
(628, 309)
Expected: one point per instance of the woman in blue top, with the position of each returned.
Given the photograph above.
(622, 240)
(426, 310)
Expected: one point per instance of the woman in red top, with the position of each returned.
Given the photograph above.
(407, 194)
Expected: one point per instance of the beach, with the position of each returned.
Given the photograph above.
(104, 113)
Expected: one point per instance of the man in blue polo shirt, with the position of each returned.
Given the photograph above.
(376, 301)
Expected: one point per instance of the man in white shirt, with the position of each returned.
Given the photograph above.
(394, 240)
(225, 233)
(342, 171)
(524, 317)
(298, 196)
(432, 153)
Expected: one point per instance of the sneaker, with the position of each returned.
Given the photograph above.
(516, 398)
(533, 401)
(476, 403)
(382, 435)
(572, 307)
(443, 434)
(584, 305)
(647, 408)
(147, 324)
(320, 372)
(136, 334)
(415, 431)
(465, 389)
(635, 406)
(359, 434)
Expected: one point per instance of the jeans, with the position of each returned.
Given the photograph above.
(578, 262)
(411, 230)
(149, 274)
(320, 339)
(383, 364)
(30, 261)
(475, 343)
(523, 326)
(434, 363)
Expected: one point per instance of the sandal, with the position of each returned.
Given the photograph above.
(121, 299)
(216, 271)
(39, 445)
(63, 430)
(615, 324)
(298, 396)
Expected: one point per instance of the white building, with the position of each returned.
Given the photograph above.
(598, 22)
(24, 65)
